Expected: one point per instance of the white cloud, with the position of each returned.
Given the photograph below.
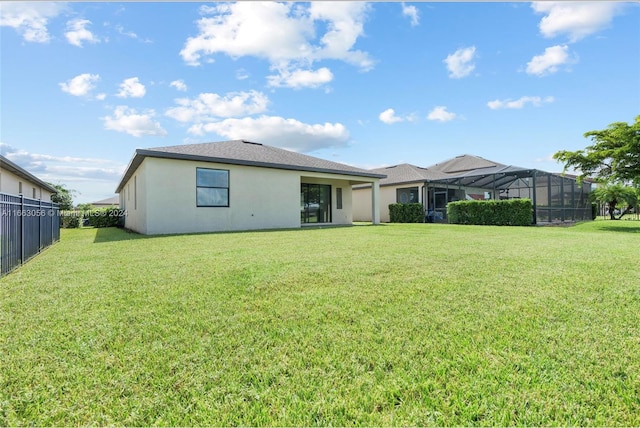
(389, 117)
(179, 85)
(131, 88)
(63, 169)
(242, 29)
(412, 13)
(242, 74)
(550, 61)
(30, 19)
(247, 29)
(519, 103)
(441, 114)
(301, 78)
(460, 63)
(286, 133)
(577, 19)
(128, 120)
(81, 85)
(209, 106)
(77, 32)
(120, 29)
(88, 179)
(345, 23)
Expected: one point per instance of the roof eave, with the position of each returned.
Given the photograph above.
(21, 172)
(134, 163)
(142, 153)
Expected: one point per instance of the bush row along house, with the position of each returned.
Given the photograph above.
(556, 198)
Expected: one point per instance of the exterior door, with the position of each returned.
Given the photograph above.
(440, 206)
(315, 203)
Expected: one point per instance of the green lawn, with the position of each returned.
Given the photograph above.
(370, 325)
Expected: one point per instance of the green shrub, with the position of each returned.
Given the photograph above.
(594, 211)
(512, 212)
(406, 213)
(104, 217)
(70, 219)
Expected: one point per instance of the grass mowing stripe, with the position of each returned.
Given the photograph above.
(388, 325)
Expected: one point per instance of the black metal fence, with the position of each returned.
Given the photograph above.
(27, 226)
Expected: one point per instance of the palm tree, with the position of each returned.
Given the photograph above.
(614, 194)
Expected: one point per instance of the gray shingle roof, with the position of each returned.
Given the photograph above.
(463, 163)
(451, 169)
(113, 200)
(405, 173)
(240, 152)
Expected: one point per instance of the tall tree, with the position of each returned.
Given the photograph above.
(63, 197)
(614, 155)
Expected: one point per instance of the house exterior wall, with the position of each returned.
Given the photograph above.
(10, 183)
(259, 198)
(133, 200)
(359, 200)
(388, 195)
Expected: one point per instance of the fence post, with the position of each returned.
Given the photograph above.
(39, 225)
(21, 228)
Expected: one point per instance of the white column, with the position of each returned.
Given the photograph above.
(375, 202)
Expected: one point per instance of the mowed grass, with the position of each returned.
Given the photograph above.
(404, 325)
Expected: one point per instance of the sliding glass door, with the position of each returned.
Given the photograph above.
(315, 203)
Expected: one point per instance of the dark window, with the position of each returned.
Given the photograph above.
(339, 198)
(407, 195)
(315, 203)
(212, 187)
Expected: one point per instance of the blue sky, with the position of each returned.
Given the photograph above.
(368, 84)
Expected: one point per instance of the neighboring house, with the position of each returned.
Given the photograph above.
(15, 180)
(237, 185)
(467, 177)
(113, 201)
(29, 221)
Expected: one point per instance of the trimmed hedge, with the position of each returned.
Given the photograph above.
(406, 213)
(511, 212)
(104, 217)
(70, 219)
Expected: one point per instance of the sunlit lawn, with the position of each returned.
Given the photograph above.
(370, 325)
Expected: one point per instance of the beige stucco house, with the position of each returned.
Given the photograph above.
(15, 180)
(237, 185)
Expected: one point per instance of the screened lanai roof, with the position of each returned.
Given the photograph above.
(497, 176)
(464, 170)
